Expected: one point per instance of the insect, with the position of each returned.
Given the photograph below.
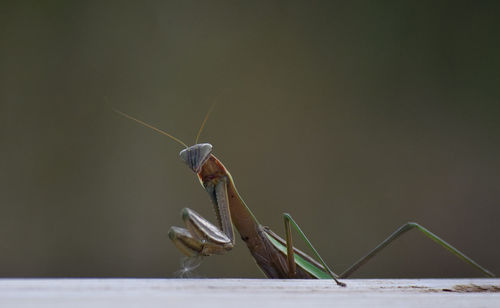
(276, 257)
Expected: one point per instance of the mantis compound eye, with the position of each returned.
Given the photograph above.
(195, 156)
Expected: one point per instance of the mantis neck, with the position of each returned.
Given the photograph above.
(242, 217)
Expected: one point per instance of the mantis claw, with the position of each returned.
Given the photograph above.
(200, 237)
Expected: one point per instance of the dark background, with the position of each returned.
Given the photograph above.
(353, 116)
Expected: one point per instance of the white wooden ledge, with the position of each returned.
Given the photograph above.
(239, 293)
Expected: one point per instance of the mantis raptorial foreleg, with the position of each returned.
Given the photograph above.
(202, 237)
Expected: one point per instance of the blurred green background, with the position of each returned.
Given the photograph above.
(353, 116)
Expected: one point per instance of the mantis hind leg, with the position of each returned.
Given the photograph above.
(289, 222)
(400, 231)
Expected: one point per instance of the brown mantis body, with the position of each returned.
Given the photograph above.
(201, 238)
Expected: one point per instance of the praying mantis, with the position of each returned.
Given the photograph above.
(275, 256)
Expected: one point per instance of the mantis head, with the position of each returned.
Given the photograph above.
(195, 156)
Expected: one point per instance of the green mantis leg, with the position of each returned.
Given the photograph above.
(290, 251)
(407, 227)
(403, 229)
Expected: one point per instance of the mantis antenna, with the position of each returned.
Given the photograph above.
(152, 127)
(203, 123)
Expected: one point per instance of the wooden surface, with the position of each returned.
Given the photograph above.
(239, 293)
